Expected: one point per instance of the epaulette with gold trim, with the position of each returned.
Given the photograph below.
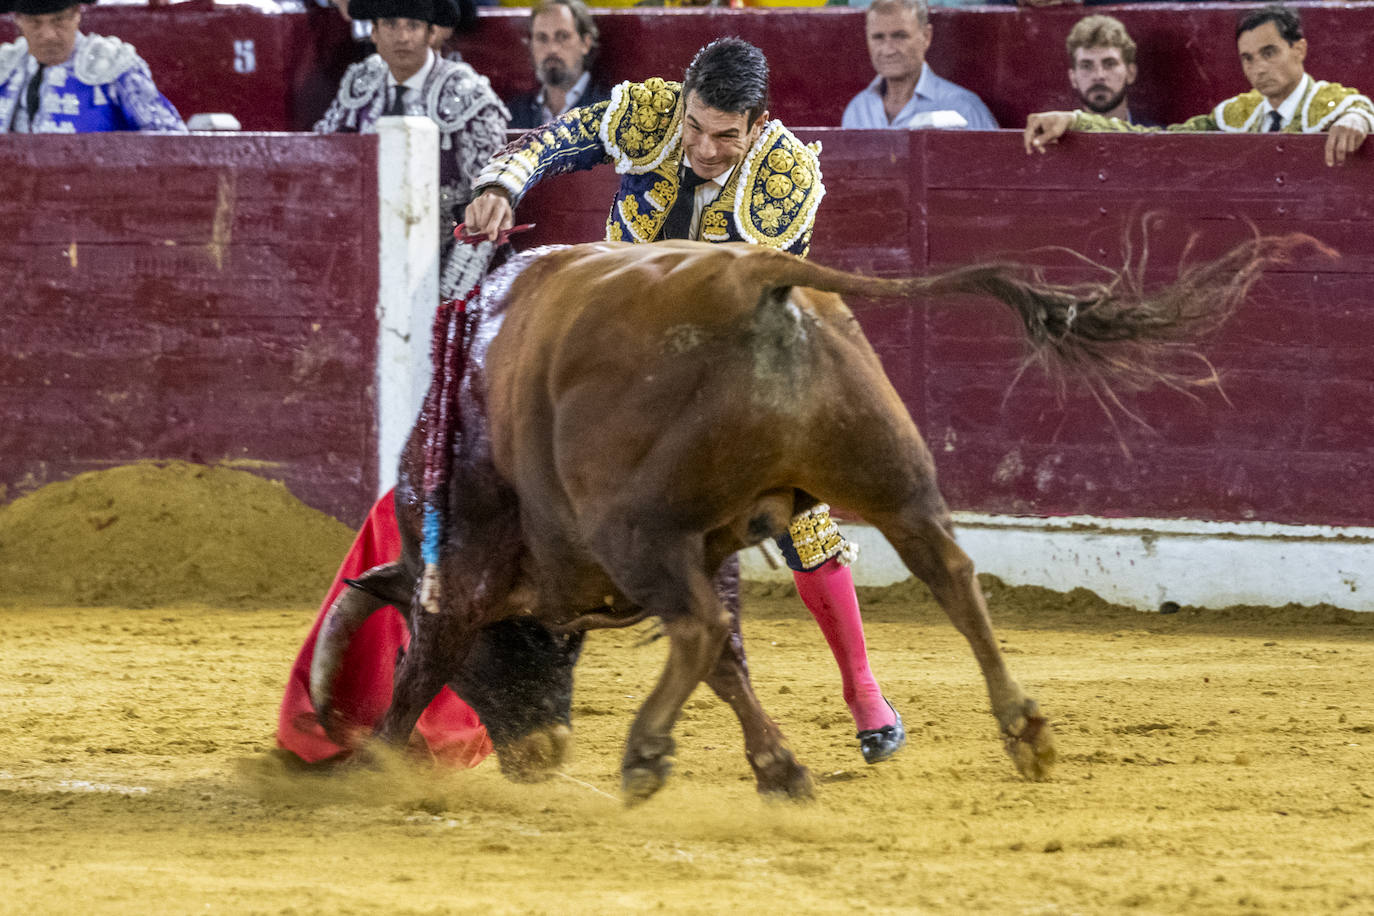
(1330, 102)
(779, 188)
(642, 124)
(1235, 115)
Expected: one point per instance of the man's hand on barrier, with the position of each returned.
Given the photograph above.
(1345, 137)
(1046, 127)
(489, 214)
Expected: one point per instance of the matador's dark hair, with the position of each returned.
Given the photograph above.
(730, 75)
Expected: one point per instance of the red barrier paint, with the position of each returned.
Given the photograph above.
(1296, 441)
(201, 298)
(212, 298)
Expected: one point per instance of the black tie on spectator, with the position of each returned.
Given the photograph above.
(31, 100)
(678, 225)
(398, 103)
(1275, 122)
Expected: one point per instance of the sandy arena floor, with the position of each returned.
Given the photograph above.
(1211, 762)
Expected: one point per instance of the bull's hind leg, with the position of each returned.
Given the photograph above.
(776, 769)
(921, 536)
(664, 574)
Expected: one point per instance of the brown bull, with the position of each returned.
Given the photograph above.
(630, 416)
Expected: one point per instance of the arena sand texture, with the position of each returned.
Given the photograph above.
(1211, 762)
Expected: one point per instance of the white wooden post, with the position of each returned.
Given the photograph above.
(408, 217)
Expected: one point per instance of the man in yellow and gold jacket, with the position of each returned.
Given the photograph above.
(1284, 98)
(747, 179)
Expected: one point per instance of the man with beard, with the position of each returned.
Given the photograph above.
(1102, 66)
(906, 93)
(1284, 98)
(563, 45)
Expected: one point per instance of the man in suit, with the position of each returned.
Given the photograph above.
(563, 44)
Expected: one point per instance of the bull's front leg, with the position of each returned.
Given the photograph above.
(694, 646)
(662, 571)
(776, 770)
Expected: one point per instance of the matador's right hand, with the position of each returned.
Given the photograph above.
(489, 214)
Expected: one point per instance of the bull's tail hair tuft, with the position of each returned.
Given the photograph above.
(1110, 334)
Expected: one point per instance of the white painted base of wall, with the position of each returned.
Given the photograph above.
(1143, 562)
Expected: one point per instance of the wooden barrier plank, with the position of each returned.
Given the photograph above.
(193, 324)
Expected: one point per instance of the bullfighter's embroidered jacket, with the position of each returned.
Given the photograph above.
(103, 86)
(770, 198)
(470, 117)
(1320, 105)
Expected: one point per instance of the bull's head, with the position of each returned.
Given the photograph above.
(518, 678)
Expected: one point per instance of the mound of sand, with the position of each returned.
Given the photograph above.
(167, 533)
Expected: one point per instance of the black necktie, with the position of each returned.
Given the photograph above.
(678, 225)
(398, 103)
(31, 100)
(1275, 122)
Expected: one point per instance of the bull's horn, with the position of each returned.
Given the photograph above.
(350, 610)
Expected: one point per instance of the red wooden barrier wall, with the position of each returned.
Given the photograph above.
(278, 72)
(202, 298)
(1296, 443)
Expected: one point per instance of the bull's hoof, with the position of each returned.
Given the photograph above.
(1030, 744)
(783, 777)
(639, 784)
(644, 770)
(534, 757)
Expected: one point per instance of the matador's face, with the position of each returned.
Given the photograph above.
(715, 140)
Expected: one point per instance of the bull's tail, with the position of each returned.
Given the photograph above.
(1109, 334)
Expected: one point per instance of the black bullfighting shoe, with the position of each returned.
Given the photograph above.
(878, 744)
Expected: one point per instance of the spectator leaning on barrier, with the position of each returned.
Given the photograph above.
(1284, 98)
(1102, 66)
(563, 44)
(56, 80)
(701, 160)
(906, 93)
(406, 77)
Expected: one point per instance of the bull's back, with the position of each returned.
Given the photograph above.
(619, 359)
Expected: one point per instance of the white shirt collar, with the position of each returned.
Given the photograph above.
(1288, 108)
(417, 79)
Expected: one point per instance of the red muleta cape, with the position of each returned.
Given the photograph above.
(362, 693)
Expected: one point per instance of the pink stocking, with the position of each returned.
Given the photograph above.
(828, 592)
